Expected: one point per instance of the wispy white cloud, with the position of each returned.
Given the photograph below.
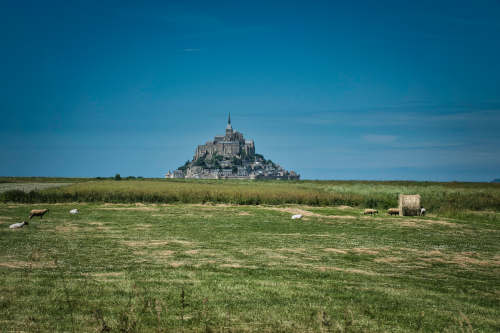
(426, 145)
(394, 116)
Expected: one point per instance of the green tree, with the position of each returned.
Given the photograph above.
(236, 161)
(200, 161)
(185, 166)
(118, 177)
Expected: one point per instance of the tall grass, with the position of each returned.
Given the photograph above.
(438, 197)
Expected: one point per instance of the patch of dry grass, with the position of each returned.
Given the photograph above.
(27, 264)
(345, 270)
(340, 251)
(294, 211)
(145, 208)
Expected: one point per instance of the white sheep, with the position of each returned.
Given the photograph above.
(74, 211)
(297, 216)
(18, 225)
(393, 211)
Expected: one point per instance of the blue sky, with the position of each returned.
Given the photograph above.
(358, 90)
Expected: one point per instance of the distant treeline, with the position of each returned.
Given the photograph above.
(63, 179)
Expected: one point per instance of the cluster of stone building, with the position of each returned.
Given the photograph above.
(230, 156)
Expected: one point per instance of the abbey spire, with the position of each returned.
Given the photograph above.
(229, 128)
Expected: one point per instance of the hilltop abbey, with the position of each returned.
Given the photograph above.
(230, 156)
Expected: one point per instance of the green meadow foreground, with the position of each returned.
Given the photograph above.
(206, 267)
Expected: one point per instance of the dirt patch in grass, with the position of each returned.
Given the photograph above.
(388, 260)
(104, 274)
(146, 243)
(295, 235)
(274, 255)
(307, 213)
(205, 262)
(140, 254)
(409, 224)
(67, 228)
(421, 223)
(365, 250)
(143, 226)
(240, 214)
(329, 249)
(181, 242)
(152, 243)
(345, 270)
(343, 207)
(462, 259)
(28, 264)
(192, 252)
(236, 265)
(213, 206)
(164, 253)
(176, 264)
(438, 222)
(95, 223)
(145, 208)
(298, 250)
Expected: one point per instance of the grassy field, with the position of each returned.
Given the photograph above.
(235, 268)
(447, 199)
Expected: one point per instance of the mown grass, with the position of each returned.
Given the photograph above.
(445, 198)
(191, 267)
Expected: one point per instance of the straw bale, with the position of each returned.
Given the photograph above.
(409, 205)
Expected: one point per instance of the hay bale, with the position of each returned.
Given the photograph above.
(409, 205)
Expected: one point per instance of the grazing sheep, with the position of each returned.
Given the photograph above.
(393, 211)
(422, 211)
(18, 225)
(370, 211)
(38, 212)
(74, 211)
(298, 216)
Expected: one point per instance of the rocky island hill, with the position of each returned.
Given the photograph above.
(230, 156)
